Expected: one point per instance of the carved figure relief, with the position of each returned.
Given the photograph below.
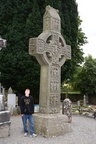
(55, 37)
(54, 110)
(54, 101)
(55, 72)
(42, 110)
(54, 86)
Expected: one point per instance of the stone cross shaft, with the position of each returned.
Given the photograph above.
(51, 52)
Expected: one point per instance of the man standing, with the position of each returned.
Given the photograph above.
(27, 109)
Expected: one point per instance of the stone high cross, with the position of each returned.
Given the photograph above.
(2, 45)
(4, 115)
(51, 52)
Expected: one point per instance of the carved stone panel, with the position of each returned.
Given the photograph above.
(32, 46)
(41, 46)
(54, 100)
(55, 72)
(54, 103)
(67, 52)
(46, 22)
(42, 110)
(54, 86)
(55, 24)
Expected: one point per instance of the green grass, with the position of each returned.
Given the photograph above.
(80, 106)
(72, 92)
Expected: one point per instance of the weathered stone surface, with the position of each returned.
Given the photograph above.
(4, 123)
(67, 108)
(49, 125)
(10, 91)
(5, 129)
(4, 116)
(51, 52)
(2, 102)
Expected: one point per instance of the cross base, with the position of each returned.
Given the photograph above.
(50, 125)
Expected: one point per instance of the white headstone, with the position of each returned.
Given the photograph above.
(11, 100)
(78, 103)
(1, 102)
(10, 91)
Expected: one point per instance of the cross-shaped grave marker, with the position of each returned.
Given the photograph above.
(51, 52)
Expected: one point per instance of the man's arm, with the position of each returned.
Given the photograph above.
(22, 106)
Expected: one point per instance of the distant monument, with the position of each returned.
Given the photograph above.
(2, 44)
(51, 52)
(4, 115)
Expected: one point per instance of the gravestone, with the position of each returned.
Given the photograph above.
(51, 52)
(2, 102)
(10, 91)
(4, 115)
(84, 100)
(11, 100)
(78, 103)
(67, 109)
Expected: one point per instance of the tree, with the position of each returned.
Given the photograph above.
(72, 33)
(20, 75)
(34, 23)
(21, 20)
(16, 66)
(84, 80)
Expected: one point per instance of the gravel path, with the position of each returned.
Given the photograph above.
(83, 132)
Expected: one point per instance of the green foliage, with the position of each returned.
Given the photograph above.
(84, 79)
(82, 39)
(34, 22)
(18, 71)
(71, 32)
(20, 20)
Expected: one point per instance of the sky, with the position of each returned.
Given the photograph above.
(87, 13)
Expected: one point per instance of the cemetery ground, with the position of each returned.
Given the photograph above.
(83, 131)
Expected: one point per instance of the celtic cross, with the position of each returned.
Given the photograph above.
(51, 52)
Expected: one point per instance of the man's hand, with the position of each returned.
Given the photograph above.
(22, 115)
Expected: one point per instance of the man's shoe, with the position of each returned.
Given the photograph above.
(25, 134)
(33, 135)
